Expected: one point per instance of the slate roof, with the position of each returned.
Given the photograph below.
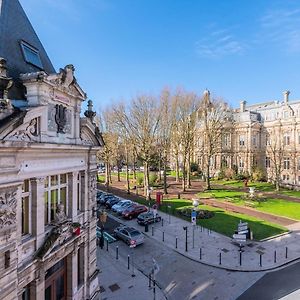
(14, 27)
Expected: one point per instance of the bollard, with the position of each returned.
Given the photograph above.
(128, 261)
(117, 252)
(274, 256)
(220, 258)
(163, 236)
(286, 252)
(106, 245)
(146, 227)
(162, 222)
(149, 284)
(240, 258)
(152, 231)
(260, 259)
(176, 242)
(200, 253)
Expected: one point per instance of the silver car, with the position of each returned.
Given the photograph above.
(129, 235)
(120, 205)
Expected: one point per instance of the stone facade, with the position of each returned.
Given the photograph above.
(48, 174)
(252, 137)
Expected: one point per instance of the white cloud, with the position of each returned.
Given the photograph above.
(217, 44)
(282, 27)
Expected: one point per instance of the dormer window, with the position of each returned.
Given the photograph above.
(31, 55)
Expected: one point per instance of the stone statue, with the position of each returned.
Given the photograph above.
(67, 75)
(60, 215)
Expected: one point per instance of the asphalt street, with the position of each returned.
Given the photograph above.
(182, 278)
(275, 285)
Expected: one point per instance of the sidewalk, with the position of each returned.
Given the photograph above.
(117, 282)
(214, 249)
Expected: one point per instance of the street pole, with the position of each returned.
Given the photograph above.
(186, 238)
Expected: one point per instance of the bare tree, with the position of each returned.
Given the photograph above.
(140, 120)
(212, 116)
(276, 151)
(166, 127)
(187, 105)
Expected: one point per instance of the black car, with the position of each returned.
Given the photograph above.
(148, 218)
(112, 201)
(105, 197)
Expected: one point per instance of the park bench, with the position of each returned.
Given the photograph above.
(250, 204)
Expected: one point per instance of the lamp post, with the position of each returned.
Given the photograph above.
(186, 238)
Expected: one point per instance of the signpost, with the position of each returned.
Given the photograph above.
(193, 217)
(241, 236)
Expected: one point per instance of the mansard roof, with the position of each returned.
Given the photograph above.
(15, 28)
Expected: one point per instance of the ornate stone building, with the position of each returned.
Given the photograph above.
(261, 135)
(47, 172)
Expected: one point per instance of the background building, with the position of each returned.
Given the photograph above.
(47, 171)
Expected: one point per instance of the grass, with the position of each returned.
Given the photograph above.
(226, 222)
(276, 206)
(291, 193)
(101, 178)
(260, 186)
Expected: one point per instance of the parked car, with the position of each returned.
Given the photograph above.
(112, 201)
(133, 211)
(105, 197)
(124, 207)
(129, 235)
(148, 218)
(123, 203)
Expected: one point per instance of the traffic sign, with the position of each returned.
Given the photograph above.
(243, 224)
(239, 237)
(243, 232)
(194, 214)
(242, 228)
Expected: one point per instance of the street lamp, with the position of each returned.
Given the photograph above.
(186, 237)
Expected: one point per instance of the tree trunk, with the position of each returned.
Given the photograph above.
(184, 175)
(177, 169)
(134, 166)
(119, 179)
(107, 175)
(127, 173)
(189, 172)
(165, 176)
(207, 176)
(159, 169)
(146, 181)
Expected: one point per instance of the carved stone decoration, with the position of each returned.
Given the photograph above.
(66, 75)
(8, 207)
(30, 133)
(93, 186)
(5, 84)
(60, 215)
(60, 118)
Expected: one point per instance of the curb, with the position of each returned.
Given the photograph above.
(213, 265)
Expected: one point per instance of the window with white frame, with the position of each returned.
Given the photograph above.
(26, 207)
(241, 163)
(56, 191)
(226, 139)
(286, 139)
(254, 140)
(298, 165)
(268, 162)
(242, 140)
(80, 190)
(286, 163)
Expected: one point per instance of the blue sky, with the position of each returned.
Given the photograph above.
(239, 49)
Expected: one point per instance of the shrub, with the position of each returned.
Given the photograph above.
(229, 173)
(194, 167)
(139, 179)
(258, 175)
(153, 178)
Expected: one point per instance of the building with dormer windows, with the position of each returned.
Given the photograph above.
(47, 172)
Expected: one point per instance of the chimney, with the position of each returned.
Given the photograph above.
(286, 96)
(243, 106)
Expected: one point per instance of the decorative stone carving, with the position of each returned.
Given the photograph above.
(5, 84)
(29, 133)
(8, 207)
(60, 118)
(89, 113)
(60, 215)
(66, 75)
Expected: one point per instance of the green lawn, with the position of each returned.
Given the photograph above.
(226, 222)
(260, 186)
(291, 193)
(101, 178)
(276, 206)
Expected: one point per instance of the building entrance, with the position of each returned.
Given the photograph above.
(56, 282)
